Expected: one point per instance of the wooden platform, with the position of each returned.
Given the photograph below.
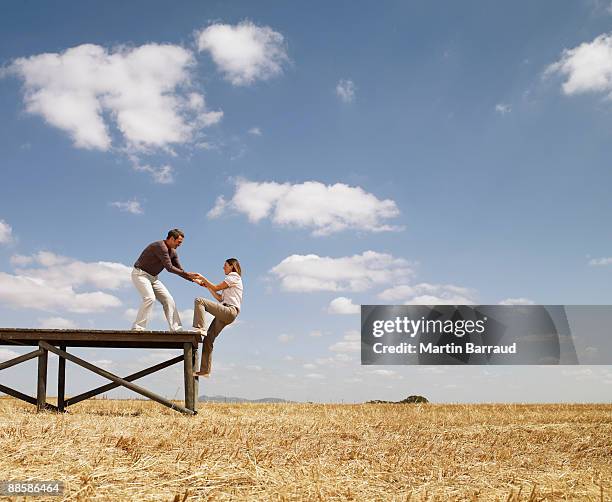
(58, 341)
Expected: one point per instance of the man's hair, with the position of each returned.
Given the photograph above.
(175, 233)
(235, 264)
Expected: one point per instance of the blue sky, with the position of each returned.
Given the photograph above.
(419, 152)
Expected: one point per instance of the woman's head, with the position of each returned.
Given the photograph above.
(232, 265)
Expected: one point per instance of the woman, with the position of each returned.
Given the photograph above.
(225, 309)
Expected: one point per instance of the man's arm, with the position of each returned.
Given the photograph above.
(175, 261)
(164, 256)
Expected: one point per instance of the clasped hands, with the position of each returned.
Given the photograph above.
(199, 279)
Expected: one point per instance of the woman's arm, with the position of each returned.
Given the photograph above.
(215, 294)
(204, 282)
(213, 287)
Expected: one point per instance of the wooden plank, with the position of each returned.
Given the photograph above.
(20, 359)
(188, 376)
(100, 338)
(61, 381)
(41, 391)
(79, 334)
(129, 378)
(102, 344)
(116, 379)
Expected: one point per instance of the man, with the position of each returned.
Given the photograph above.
(157, 256)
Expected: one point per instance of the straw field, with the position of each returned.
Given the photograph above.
(138, 450)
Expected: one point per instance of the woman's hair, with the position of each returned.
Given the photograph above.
(235, 264)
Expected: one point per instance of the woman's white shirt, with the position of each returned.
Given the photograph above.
(232, 295)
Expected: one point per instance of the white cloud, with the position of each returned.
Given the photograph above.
(600, 262)
(384, 373)
(345, 90)
(428, 294)
(517, 301)
(502, 108)
(343, 305)
(163, 175)
(19, 291)
(56, 323)
(61, 271)
(141, 89)
(6, 232)
(323, 208)
(255, 131)
(315, 376)
(130, 206)
(285, 338)
(309, 366)
(339, 360)
(52, 285)
(587, 67)
(244, 52)
(21, 260)
(106, 364)
(351, 342)
(350, 273)
(315, 334)
(6, 354)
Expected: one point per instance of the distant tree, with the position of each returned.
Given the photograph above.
(409, 399)
(415, 399)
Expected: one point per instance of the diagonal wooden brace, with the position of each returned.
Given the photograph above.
(20, 359)
(24, 397)
(129, 378)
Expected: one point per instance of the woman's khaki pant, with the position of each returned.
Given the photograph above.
(224, 315)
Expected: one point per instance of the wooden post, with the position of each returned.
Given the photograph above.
(61, 381)
(196, 386)
(41, 394)
(188, 374)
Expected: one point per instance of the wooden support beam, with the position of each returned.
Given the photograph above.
(195, 365)
(61, 381)
(24, 397)
(188, 376)
(116, 379)
(15, 393)
(129, 378)
(41, 390)
(20, 359)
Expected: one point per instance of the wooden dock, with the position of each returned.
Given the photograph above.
(58, 341)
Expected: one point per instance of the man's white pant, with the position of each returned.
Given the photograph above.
(150, 289)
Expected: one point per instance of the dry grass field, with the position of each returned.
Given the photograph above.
(138, 450)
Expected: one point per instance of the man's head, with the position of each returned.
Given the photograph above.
(175, 238)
